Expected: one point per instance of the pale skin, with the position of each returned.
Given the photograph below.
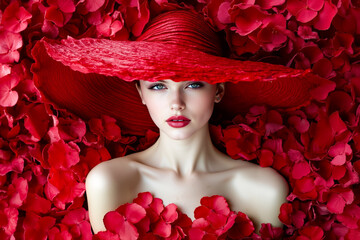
(183, 165)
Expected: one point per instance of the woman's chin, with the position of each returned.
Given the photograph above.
(178, 134)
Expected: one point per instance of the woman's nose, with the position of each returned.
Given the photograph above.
(177, 102)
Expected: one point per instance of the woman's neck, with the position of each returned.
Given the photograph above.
(184, 156)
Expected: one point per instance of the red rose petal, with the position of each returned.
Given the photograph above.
(266, 158)
(312, 232)
(134, 212)
(267, 4)
(170, 213)
(10, 43)
(336, 203)
(106, 236)
(8, 97)
(162, 229)
(325, 16)
(144, 199)
(350, 216)
(285, 212)
(267, 231)
(247, 20)
(306, 15)
(300, 169)
(37, 121)
(62, 155)
(94, 5)
(216, 203)
(242, 228)
(114, 221)
(37, 204)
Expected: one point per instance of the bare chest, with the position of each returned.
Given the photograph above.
(185, 192)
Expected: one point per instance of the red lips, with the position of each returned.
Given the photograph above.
(178, 121)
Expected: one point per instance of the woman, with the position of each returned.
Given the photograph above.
(183, 165)
(179, 87)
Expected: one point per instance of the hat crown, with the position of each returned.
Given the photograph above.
(185, 28)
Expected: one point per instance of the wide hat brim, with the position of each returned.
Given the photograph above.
(94, 77)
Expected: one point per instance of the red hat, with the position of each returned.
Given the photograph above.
(93, 77)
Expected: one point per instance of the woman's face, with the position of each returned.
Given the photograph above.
(179, 109)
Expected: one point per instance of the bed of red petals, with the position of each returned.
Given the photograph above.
(46, 153)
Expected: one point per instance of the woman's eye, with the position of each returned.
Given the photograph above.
(157, 87)
(195, 85)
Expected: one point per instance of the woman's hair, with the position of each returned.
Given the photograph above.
(186, 28)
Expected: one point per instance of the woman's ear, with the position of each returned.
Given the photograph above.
(220, 91)
(138, 88)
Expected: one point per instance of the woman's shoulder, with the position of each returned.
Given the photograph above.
(111, 171)
(259, 190)
(260, 176)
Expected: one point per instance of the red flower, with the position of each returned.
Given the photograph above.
(110, 25)
(305, 11)
(247, 18)
(8, 97)
(167, 222)
(306, 33)
(213, 217)
(10, 43)
(162, 227)
(153, 206)
(121, 221)
(15, 18)
(272, 34)
(218, 11)
(60, 12)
